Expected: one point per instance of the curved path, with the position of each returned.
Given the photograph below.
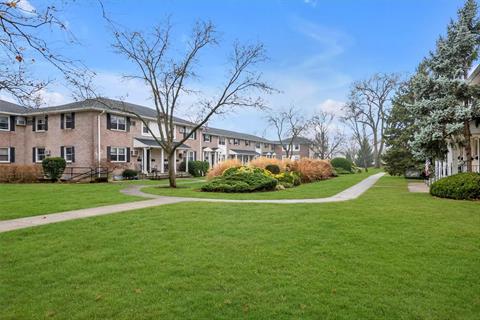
(8, 225)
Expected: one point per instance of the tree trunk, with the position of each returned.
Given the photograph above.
(468, 145)
(171, 170)
(376, 155)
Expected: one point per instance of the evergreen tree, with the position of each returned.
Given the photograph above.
(400, 130)
(364, 156)
(444, 102)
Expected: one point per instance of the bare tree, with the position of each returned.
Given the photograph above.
(356, 121)
(289, 125)
(21, 46)
(327, 140)
(370, 102)
(168, 76)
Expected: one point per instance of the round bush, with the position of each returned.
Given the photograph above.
(341, 163)
(54, 167)
(241, 179)
(462, 186)
(129, 174)
(273, 168)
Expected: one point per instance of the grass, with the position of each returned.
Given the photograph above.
(23, 200)
(320, 189)
(388, 255)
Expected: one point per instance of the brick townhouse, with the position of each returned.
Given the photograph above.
(90, 134)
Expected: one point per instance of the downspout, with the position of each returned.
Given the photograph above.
(99, 148)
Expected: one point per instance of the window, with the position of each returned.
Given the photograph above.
(68, 121)
(145, 129)
(230, 141)
(185, 131)
(257, 145)
(296, 147)
(118, 154)
(21, 121)
(69, 154)
(118, 123)
(192, 155)
(247, 143)
(266, 145)
(207, 138)
(40, 154)
(4, 154)
(236, 141)
(5, 123)
(41, 124)
(193, 136)
(221, 141)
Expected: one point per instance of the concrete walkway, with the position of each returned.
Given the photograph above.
(21, 223)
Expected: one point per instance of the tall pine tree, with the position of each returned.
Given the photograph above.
(444, 102)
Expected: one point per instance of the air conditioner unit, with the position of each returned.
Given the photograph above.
(134, 153)
(47, 153)
(21, 121)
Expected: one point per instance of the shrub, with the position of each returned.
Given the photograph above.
(263, 162)
(54, 167)
(311, 170)
(241, 179)
(195, 168)
(460, 186)
(11, 173)
(220, 167)
(342, 163)
(288, 179)
(273, 168)
(129, 174)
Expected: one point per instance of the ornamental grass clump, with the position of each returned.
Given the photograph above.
(218, 169)
(311, 170)
(264, 162)
(462, 186)
(241, 179)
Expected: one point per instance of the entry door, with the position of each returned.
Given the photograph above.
(147, 165)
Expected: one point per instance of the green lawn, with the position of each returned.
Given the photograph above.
(23, 200)
(388, 255)
(320, 189)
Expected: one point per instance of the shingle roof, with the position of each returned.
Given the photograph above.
(9, 107)
(154, 143)
(234, 134)
(245, 152)
(110, 104)
(299, 140)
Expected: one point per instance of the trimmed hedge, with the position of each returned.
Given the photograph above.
(196, 168)
(129, 174)
(462, 186)
(54, 167)
(243, 179)
(342, 163)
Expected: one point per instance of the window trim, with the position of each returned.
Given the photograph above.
(112, 116)
(8, 122)
(117, 154)
(44, 124)
(143, 130)
(44, 154)
(65, 120)
(65, 153)
(222, 141)
(8, 155)
(205, 135)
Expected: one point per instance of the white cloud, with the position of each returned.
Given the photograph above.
(52, 98)
(332, 106)
(26, 6)
(312, 3)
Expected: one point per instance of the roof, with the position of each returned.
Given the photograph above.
(9, 107)
(154, 143)
(110, 105)
(299, 140)
(245, 152)
(234, 134)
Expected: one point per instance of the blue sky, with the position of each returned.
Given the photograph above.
(316, 48)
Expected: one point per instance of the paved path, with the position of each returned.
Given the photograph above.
(21, 223)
